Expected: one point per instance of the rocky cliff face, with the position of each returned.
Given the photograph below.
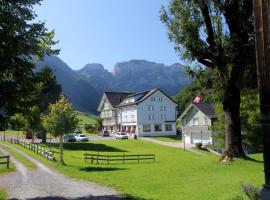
(84, 87)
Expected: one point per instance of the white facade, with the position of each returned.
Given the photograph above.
(145, 114)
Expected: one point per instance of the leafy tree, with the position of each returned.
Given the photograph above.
(18, 122)
(33, 118)
(47, 92)
(98, 123)
(220, 36)
(61, 120)
(23, 41)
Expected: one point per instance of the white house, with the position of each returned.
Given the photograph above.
(149, 113)
(197, 120)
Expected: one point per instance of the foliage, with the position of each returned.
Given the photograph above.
(249, 112)
(23, 41)
(199, 145)
(48, 90)
(250, 115)
(60, 120)
(98, 123)
(154, 180)
(201, 85)
(251, 192)
(18, 122)
(220, 36)
(90, 128)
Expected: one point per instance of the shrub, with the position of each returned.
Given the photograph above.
(252, 192)
(90, 128)
(199, 145)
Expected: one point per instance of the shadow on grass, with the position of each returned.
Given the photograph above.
(104, 197)
(100, 169)
(87, 147)
(253, 160)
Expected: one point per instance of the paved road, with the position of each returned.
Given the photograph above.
(173, 144)
(45, 183)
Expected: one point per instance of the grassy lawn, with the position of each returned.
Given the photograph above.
(12, 133)
(173, 138)
(175, 174)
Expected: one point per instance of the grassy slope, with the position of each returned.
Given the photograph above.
(175, 175)
(85, 119)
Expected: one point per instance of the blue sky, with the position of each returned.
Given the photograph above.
(108, 31)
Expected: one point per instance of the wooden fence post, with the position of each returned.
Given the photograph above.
(8, 161)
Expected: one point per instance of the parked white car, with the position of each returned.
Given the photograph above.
(121, 135)
(81, 138)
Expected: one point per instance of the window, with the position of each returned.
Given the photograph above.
(158, 128)
(125, 118)
(160, 99)
(150, 108)
(195, 121)
(146, 128)
(132, 118)
(205, 121)
(153, 98)
(163, 117)
(168, 127)
(151, 117)
(163, 108)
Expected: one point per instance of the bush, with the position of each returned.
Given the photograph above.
(252, 192)
(90, 128)
(199, 145)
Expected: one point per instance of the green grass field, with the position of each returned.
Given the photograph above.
(175, 174)
(173, 138)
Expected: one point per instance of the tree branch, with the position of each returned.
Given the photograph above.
(208, 24)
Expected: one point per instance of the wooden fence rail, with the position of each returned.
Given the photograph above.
(5, 162)
(33, 147)
(123, 157)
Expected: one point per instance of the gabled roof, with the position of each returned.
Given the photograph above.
(142, 96)
(206, 108)
(114, 98)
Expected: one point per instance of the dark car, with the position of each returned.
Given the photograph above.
(69, 138)
(104, 133)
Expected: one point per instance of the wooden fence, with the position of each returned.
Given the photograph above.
(5, 162)
(122, 158)
(33, 147)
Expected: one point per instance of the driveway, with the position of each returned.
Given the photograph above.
(45, 183)
(188, 147)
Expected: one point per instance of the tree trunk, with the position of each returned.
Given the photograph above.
(44, 135)
(262, 29)
(61, 154)
(231, 108)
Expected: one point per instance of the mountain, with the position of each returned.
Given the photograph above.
(85, 87)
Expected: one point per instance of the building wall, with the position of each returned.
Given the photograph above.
(149, 112)
(192, 133)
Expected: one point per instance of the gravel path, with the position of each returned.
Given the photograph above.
(45, 183)
(188, 147)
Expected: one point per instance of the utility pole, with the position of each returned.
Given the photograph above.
(262, 29)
